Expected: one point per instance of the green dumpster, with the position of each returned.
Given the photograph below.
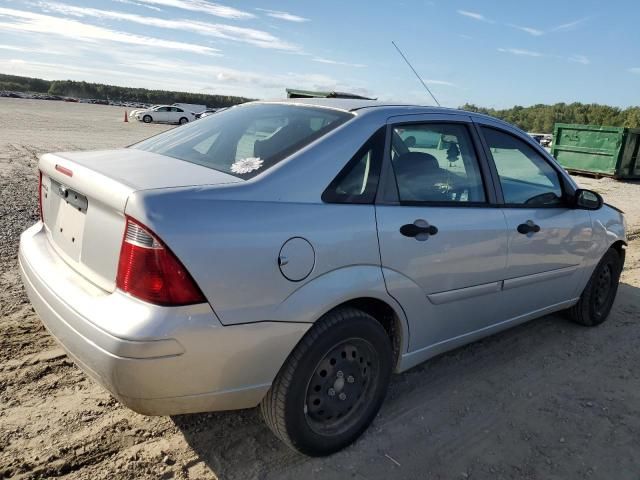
(597, 150)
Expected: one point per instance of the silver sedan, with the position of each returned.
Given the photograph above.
(294, 254)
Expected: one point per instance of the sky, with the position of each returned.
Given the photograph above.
(492, 53)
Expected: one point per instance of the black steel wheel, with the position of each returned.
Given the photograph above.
(332, 385)
(339, 386)
(598, 296)
(602, 288)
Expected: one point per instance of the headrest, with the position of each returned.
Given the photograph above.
(416, 162)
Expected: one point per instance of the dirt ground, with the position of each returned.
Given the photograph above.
(548, 399)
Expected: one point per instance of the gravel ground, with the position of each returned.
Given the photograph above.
(547, 399)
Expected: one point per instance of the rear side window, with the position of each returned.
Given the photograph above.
(247, 140)
(358, 180)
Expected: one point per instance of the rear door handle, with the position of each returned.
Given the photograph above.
(528, 227)
(420, 230)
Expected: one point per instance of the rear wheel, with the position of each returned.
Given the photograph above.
(147, 119)
(598, 296)
(183, 120)
(332, 385)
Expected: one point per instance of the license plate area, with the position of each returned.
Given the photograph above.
(69, 213)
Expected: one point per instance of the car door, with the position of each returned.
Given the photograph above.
(176, 114)
(443, 244)
(161, 114)
(548, 239)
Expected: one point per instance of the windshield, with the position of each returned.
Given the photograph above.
(247, 140)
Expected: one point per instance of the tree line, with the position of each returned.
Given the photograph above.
(537, 118)
(541, 118)
(98, 91)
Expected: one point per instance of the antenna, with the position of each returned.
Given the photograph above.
(416, 73)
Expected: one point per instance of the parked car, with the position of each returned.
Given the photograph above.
(538, 137)
(210, 111)
(11, 94)
(139, 108)
(190, 107)
(294, 254)
(164, 114)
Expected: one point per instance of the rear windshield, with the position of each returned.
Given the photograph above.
(247, 140)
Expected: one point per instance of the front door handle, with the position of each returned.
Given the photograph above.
(420, 229)
(528, 227)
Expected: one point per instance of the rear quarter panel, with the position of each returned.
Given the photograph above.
(231, 248)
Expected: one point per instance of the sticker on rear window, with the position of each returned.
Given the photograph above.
(246, 165)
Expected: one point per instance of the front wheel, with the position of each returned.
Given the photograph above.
(183, 120)
(332, 385)
(147, 119)
(597, 298)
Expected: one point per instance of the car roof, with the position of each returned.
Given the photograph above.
(345, 104)
(391, 108)
(353, 105)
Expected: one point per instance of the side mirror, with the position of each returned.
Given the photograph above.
(587, 200)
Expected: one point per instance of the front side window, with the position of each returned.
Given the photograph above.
(247, 140)
(435, 162)
(526, 178)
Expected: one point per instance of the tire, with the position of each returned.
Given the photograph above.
(598, 296)
(183, 120)
(332, 385)
(147, 119)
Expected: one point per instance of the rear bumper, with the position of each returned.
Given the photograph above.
(155, 360)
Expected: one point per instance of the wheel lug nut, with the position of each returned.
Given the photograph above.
(350, 379)
(342, 396)
(339, 374)
(331, 392)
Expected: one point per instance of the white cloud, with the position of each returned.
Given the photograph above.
(474, 15)
(579, 59)
(32, 67)
(143, 68)
(518, 51)
(582, 59)
(289, 17)
(431, 81)
(203, 6)
(569, 25)
(18, 20)
(41, 50)
(130, 2)
(251, 36)
(531, 31)
(335, 62)
(635, 70)
(16, 49)
(536, 32)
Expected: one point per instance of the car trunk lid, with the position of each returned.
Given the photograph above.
(84, 195)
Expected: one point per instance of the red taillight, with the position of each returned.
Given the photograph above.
(150, 271)
(40, 196)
